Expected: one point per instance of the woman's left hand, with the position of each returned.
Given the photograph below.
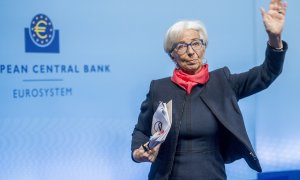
(274, 20)
(142, 155)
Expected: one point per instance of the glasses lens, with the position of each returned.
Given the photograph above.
(181, 48)
(196, 45)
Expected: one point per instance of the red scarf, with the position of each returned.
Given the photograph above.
(187, 81)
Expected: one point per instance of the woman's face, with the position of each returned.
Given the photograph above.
(189, 61)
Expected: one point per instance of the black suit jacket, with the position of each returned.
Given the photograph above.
(221, 94)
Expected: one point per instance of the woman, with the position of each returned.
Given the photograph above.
(207, 128)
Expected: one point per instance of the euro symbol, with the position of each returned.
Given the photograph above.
(158, 126)
(39, 29)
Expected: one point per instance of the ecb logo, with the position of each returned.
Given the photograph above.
(158, 126)
(41, 36)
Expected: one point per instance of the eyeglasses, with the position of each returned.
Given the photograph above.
(182, 47)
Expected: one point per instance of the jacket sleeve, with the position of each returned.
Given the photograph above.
(142, 130)
(259, 77)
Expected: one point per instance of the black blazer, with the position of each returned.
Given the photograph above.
(221, 94)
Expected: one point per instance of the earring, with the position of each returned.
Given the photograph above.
(204, 61)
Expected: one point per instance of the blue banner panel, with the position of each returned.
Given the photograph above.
(284, 175)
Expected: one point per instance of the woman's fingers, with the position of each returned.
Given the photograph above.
(263, 12)
(153, 153)
(156, 148)
(143, 154)
(274, 18)
(278, 5)
(152, 158)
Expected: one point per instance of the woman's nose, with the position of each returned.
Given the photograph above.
(190, 51)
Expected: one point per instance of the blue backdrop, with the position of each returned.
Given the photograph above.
(68, 113)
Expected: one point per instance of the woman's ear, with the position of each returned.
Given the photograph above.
(171, 56)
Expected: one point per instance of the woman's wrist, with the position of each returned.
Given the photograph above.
(275, 49)
(275, 42)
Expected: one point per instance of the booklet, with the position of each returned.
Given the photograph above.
(161, 124)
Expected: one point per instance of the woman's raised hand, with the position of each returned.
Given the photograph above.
(274, 20)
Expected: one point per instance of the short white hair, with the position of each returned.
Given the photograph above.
(176, 31)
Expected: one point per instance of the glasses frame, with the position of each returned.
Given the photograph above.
(187, 45)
